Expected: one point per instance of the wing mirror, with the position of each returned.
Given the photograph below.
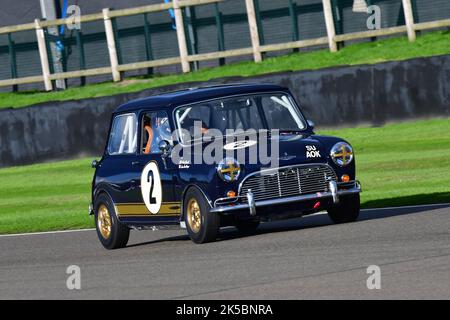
(311, 124)
(164, 147)
(94, 163)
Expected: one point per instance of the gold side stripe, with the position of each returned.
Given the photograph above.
(139, 209)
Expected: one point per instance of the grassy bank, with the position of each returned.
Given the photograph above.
(402, 164)
(50, 196)
(428, 44)
(398, 164)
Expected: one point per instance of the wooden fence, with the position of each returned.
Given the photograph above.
(256, 49)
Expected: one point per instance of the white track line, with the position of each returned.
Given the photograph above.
(319, 213)
(45, 232)
(410, 207)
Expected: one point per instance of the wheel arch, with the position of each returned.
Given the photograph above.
(98, 192)
(99, 189)
(183, 198)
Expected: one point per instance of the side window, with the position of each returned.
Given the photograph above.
(155, 128)
(123, 136)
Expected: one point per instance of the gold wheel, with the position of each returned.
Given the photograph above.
(104, 221)
(194, 215)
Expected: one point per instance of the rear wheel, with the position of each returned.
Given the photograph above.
(201, 224)
(346, 211)
(247, 226)
(111, 233)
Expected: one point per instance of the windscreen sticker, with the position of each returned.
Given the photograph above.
(239, 144)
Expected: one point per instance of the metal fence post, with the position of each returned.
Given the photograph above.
(111, 45)
(193, 29)
(148, 43)
(329, 22)
(43, 55)
(294, 20)
(191, 34)
(257, 56)
(117, 40)
(12, 60)
(409, 19)
(82, 58)
(181, 37)
(220, 32)
(49, 50)
(259, 22)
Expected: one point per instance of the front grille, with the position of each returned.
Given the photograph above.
(288, 182)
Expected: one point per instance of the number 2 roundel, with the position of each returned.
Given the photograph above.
(151, 187)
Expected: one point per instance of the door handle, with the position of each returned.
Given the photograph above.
(133, 184)
(135, 163)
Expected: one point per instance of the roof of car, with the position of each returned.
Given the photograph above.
(192, 95)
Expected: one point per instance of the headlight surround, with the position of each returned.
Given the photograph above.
(229, 169)
(342, 154)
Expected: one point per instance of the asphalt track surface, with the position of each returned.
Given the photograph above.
(306, 258)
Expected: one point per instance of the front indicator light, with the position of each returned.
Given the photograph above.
(345, 178)
(231, 194)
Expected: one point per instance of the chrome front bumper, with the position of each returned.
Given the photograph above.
(220, 206)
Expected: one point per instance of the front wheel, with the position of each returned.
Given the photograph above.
(111, 233)
(346, 211)
(201, 224)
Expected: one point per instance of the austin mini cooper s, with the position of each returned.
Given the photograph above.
(194, 159)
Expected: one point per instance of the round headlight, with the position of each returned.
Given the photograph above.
(342, 154)
(229, 169)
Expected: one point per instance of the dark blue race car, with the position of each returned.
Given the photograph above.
(204, 158)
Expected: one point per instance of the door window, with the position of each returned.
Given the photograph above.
(155, 128)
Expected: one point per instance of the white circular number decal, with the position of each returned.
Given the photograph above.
(151, 187)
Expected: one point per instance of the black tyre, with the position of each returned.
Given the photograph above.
(346, 211)
(201, 224)
(247, 226)
(111, 233)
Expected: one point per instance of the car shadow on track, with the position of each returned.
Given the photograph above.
(321, 220)
(167, 239)
(306, 222)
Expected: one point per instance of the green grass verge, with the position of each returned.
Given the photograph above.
(429, 44)
(398, 164)
(41, 197)
(402, 164)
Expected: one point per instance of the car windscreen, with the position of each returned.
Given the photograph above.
(258, 112)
